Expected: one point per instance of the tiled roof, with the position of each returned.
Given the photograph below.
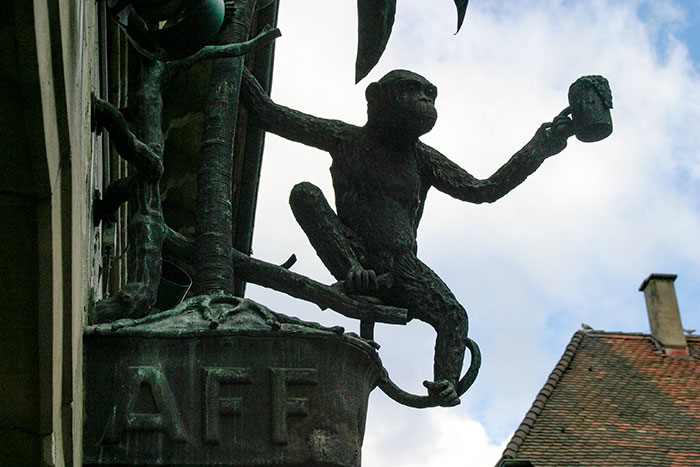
(615, 400)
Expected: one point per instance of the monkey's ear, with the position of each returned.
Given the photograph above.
(372, 92)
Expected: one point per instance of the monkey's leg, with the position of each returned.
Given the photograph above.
(428, 299)
(329, 237)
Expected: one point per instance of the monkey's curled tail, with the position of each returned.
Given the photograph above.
(421, 402)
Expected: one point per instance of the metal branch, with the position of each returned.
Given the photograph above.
(116, 194)
(177, 246)
(290, 261)
(278, 278)
(133, 150)
(212, 52)
(146, 225)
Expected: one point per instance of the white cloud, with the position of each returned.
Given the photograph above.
(454, 440)
(571, 244)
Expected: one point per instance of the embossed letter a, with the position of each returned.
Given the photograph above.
(166, 417)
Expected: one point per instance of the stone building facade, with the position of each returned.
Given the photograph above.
(55, 56)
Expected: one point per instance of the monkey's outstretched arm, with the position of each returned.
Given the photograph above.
(451, 179)
(288, 123)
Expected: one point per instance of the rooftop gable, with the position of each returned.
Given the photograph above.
(615, 399)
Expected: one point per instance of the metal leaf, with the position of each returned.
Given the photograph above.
(375, 19)
(461, 11)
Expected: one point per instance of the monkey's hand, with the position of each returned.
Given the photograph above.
(562, 126)
(442, 392)
(554, 135)
(361, 281)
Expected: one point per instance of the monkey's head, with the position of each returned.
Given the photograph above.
(403, 103)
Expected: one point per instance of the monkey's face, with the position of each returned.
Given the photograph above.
(415, 104)
(403, 103)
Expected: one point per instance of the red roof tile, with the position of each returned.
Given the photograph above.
(615, 399)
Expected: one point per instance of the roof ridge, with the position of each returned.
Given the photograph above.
(617, 333)
(519, 436)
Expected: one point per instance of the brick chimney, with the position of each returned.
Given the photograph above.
(664, 317)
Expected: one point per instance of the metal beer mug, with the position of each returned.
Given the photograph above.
(590, 101)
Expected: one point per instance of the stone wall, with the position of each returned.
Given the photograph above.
(51, 253)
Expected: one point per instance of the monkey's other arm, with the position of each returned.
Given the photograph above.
(289, 123)
(448, 177)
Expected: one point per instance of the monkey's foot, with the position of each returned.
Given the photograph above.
(442, 392)
(133, 301)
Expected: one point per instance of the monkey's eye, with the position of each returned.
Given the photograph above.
(410, 87)
(431, 92)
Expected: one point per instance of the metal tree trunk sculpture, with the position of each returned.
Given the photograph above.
(214, 267)
(144, 149)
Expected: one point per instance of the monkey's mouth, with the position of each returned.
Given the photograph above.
(429, 116)
(426, 110)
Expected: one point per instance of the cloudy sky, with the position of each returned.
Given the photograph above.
(570, 245)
